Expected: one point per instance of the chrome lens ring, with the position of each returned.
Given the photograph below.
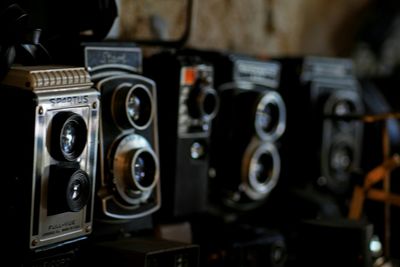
(209, 103)
(132, 106)
(261, 170)
(68, 136)
(128, 183)
(270, 117)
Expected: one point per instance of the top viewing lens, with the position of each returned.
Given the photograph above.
(134, 108)
(68, 136)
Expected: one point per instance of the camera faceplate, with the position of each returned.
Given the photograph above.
(118, 143)
(57, 90)
(195, 87)
(341, 137)
(324, 136)
(247, 130)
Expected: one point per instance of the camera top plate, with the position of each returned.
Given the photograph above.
(36, 78)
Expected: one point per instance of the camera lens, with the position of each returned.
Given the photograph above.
(261, 167)
(202, 101)
(135, 167)
(68, 136)
(343, 107)
(210, 102)
(341, 157)
(78, 190)
(144, 169)
(270, 116)
(132, 107)
(68, 190)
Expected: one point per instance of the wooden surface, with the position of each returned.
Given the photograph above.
(267, 27)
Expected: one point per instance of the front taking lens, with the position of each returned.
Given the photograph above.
(144, 169)
(68, 189)
(135, 169)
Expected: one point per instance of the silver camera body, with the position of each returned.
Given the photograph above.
(128, 179)
(51, 147)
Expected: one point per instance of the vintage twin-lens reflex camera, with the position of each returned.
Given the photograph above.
(245, 159)
(128, 184)
(187, 107)
(49, 159)
(323, 144)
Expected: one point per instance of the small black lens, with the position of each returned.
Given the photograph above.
(144, 169)
(341, 157)
(68, 136)
(139, 106)
(343, 107)
(68, 189)
(202, 101)
(78, 190)
(268, 117)
(210, 103)
(132, 107)
(264, 168)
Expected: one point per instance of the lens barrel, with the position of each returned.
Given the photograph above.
(68, 136)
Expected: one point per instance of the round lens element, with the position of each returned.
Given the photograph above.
(341, 157)
(210, 102)
(75, 191)
(68, 136)
(135, 168)
(270, 116)
(78, 190)
(343, 107)
(132, 106)
(144, 169)
(263, 168)
(260, 169)
(139, 106)
(202, 101)
(68, 189)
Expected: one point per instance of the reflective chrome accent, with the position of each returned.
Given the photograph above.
(251, 185)
(273, 98)
(125, 156)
